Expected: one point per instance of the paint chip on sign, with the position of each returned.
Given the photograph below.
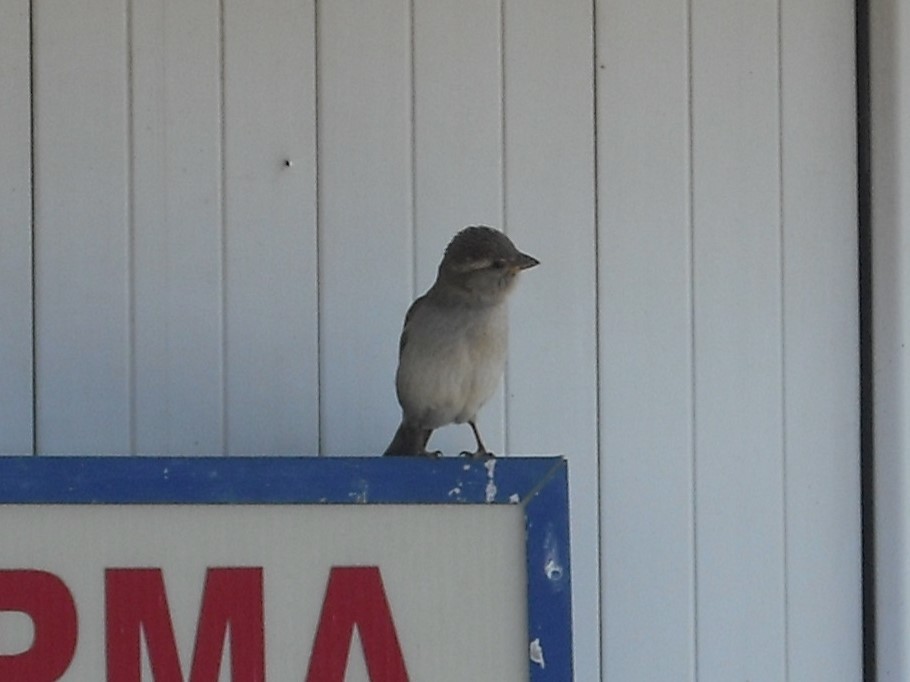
(536, 652)
(491, 485)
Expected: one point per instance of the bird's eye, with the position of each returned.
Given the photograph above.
(498, 264)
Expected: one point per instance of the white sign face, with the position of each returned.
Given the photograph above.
(453, 577)
(284, 570)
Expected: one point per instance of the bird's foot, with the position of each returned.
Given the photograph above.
(478, 454)
(425, 453)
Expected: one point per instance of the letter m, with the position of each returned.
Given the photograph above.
(136, 603)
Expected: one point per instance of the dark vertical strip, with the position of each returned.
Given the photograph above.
(866, 408)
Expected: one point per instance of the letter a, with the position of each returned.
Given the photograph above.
(355, 596)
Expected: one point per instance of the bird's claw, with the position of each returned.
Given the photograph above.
(478, 454)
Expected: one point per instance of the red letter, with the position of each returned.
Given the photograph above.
(355, 596)
(136, 602)
(48, 602)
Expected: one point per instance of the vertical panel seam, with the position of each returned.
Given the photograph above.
(782, 254)
(693, 422)
(225, 388)
(503, 218)
(131, 230)
(318, 230)
(598, 403)
(865, 338)
(412, 66)
(33, 207)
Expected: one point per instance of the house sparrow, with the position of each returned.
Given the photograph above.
(452, 350)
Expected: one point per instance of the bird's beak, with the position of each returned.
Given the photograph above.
(524, 261)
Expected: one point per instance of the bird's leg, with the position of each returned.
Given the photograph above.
(411, 441)
(481, 450)
(425, 437)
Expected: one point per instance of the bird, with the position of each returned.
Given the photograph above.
(452, 350)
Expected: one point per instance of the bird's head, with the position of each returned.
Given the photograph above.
(483, 262)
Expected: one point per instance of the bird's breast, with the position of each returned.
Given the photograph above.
(451, 363)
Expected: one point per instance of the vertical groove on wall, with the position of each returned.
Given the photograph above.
(131, 229)
(412, 66)
(693, 473)
(866, 375)
(598, 408)
(318, 230)
(503, 188)
(503, 216)
(225, 389)
(782, 279)
(32, 155)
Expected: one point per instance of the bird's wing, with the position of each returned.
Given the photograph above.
(407, 318)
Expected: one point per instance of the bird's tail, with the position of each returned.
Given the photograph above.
(409, 440)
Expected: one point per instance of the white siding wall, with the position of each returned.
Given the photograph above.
(728, 341)
(16, 416)
(685, 171)
(890, 102)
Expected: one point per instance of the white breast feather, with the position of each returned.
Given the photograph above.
(451, 364)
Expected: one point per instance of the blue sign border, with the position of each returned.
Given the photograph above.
(538, 484)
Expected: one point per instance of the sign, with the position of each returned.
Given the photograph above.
(205, 569)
